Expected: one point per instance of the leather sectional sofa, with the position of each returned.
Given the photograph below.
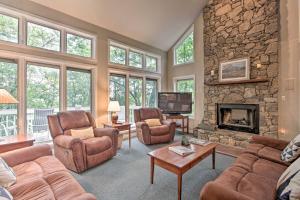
(40, 176)
(253, 176)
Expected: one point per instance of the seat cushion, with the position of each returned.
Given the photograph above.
(55, 186)
(265, 152)
(159, 130)
(97, 144)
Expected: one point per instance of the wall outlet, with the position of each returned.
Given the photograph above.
(290, 84)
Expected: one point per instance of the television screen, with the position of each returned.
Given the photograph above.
(175, 102)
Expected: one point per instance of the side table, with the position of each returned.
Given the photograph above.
(183, 119)
(121, 127)
(10, 143)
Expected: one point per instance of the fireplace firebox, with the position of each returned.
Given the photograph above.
(238, 117)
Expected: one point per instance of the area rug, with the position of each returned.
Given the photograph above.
(127, 176)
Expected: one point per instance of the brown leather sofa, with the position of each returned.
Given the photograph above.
(153, 135)
(76, 154)
(40, 176)
(253, 176)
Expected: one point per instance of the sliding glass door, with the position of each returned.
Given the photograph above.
(135, 95)
(117, 92)
(79, 89)
(42, 98)
(9, 112)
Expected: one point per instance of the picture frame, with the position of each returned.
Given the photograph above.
(234, 70)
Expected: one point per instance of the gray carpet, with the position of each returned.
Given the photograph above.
(127, 176)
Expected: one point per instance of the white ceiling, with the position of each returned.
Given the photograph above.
(158, 23)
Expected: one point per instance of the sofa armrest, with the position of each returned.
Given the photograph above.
(18, 156)
(66, 141)
(215, 191)
(143, 132)
(270, 142)
(110, 132)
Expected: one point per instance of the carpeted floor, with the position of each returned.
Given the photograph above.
(127, 176)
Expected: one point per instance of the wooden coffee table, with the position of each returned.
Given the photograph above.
(177, 164)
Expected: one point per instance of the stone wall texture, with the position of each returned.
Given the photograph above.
(236, 29)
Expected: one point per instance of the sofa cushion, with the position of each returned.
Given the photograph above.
(73, 119)
(159, 130)
(292, 151)
(265, 152)
(45, 165)
(97, 144)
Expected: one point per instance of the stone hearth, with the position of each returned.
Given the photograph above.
(236, 29)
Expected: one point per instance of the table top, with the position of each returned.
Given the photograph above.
(165, 155)
(15, 139)
(117, 125)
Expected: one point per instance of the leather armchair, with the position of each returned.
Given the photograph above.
(76, 154)
(153, 135)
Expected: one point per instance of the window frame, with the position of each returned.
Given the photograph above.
(175, 89)
(46, 26)
(12, 15)
(134, 50)
(179, 42)
(25, 17)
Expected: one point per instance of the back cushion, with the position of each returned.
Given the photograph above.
(149, 113)
(73, 119)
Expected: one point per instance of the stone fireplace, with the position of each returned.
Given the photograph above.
(238, 117)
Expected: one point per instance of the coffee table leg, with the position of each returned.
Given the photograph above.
(214, 158)
(152, 169)
(179, 186)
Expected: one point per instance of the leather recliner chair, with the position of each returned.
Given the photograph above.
(76, 154)
(153, 135)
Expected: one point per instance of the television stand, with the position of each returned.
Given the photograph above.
(184, 124)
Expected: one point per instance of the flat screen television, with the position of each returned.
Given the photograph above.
(175, 102)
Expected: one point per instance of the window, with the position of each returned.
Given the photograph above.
(151, 63)
(8, 112)
(132, 57)
(9, 28)
(42, 98)
(117, 55)
(117, 92)
(135, 59)
(79, 89)
(151, 92)
(43, 37)
(135, 95)
(79, 46)
(187, 85)
(184, 50)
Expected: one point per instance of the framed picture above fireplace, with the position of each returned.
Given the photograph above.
(235, 70)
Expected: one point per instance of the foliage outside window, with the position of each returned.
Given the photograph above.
(187, 85)
(117, 92)
(184, 51)
(79, 89)
(117, 55)
(42, 99)
(9, 28)
(151, 63)
(135, 95)
(79, 46)
(151, 93)
(135, 59)
(43, 37)
(8, 112)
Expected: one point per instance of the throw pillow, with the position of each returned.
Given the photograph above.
(288, 186)
(83, 133)
(292, 150)
(4, 194)
(7, 175)
(153, 122)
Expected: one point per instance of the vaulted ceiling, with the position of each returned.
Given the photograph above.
(158, 23)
